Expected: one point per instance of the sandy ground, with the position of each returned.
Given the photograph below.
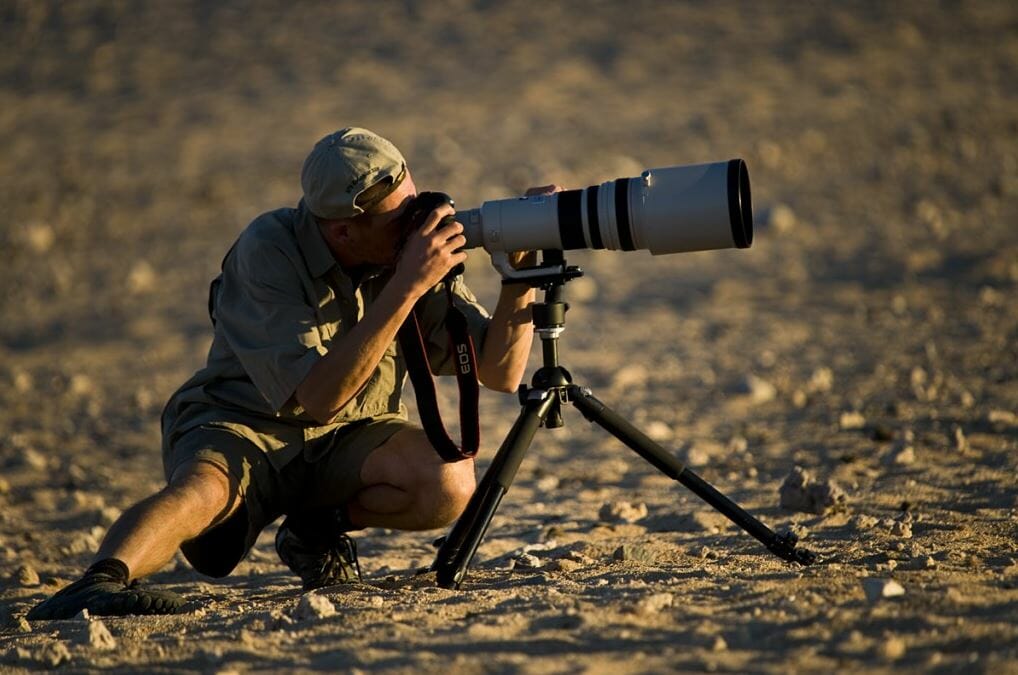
(869, 336)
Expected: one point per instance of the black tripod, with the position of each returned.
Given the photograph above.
(542, 405)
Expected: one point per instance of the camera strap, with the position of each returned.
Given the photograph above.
(411, 341)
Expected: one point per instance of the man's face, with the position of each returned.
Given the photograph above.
(375, 239)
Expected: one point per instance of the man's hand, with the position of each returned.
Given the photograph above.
(430, 252)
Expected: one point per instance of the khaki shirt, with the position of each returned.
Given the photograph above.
(278, 305)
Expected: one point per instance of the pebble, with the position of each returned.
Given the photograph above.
(659, 431)
(799, 492)
(313, 606)
(851, 420)
(547, 483)
(97, 636)
(528, 561)
(961, 443)
(5, 487)
(652, 604)
(564, 565)
(696, 456)
(781, 218)
(893, 648)
(719, 644)
(901, 529)
(822, 380)
(22, 625)
(27, 576)
(758, 389)
(34, 459)
(376, 601)
(879, 589)
(902, 456)
(53, 654)
(622, 512)
(633, 552)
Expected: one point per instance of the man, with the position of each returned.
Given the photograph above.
(297, 411)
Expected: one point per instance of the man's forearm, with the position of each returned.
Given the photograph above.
(507, 343)
(352, 358)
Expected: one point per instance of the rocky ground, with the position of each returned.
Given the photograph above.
(868, 337)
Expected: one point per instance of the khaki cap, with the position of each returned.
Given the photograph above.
(343, 165)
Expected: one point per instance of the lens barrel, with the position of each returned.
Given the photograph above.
(667, 210)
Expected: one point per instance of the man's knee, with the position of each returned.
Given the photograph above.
(454, 490)
(204, 487)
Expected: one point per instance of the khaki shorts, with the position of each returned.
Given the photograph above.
(299, 487)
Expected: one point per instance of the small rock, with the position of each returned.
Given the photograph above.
(633, 552)
(719, 644)
(781, 218)
(822, 380)
(924, 562)
(622, 512)
(878, 589)
(961, 444)
(659, 431)
(696, 456)
(83, 616)
(34, 459)
(22, 626)
(901, 529)
(528, 561)
(902, 456)
(758, 389)
(892, 649)
(53, 654)
(376, 601)
(631, 375)
(1001, 418)
(98, 636)
(313, 606)
(800, 492)
(27, 576)
(5, 487)
(851, 420)
(108, 515)
(142, 278)
(564, 565)
(652, 604)
(547, 483)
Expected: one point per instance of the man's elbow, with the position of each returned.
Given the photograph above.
(320, 413)
(500, 381)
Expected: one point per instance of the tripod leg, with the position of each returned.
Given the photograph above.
(594, 410)
(454, 556)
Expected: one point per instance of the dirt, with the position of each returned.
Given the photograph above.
(869, 336)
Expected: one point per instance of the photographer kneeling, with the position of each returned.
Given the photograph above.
(298, 410)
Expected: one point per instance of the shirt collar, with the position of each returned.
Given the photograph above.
(312, 245)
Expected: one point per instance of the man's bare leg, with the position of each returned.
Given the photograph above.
(145, 537)
(409, 487)
(199, 496)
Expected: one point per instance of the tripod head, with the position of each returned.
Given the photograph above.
(551, 271)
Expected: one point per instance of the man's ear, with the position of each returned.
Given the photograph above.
(336, 231)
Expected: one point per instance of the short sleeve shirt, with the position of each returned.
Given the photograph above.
(278, 306)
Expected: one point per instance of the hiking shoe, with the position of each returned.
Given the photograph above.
(105, 592)
(318, 565)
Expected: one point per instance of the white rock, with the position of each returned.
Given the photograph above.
(622, 512)
(313, 606)
(878, 589)
(851, 420)
(98, 636)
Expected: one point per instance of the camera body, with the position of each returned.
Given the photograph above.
(417, 212)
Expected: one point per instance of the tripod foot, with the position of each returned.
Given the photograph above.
(784, 545)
